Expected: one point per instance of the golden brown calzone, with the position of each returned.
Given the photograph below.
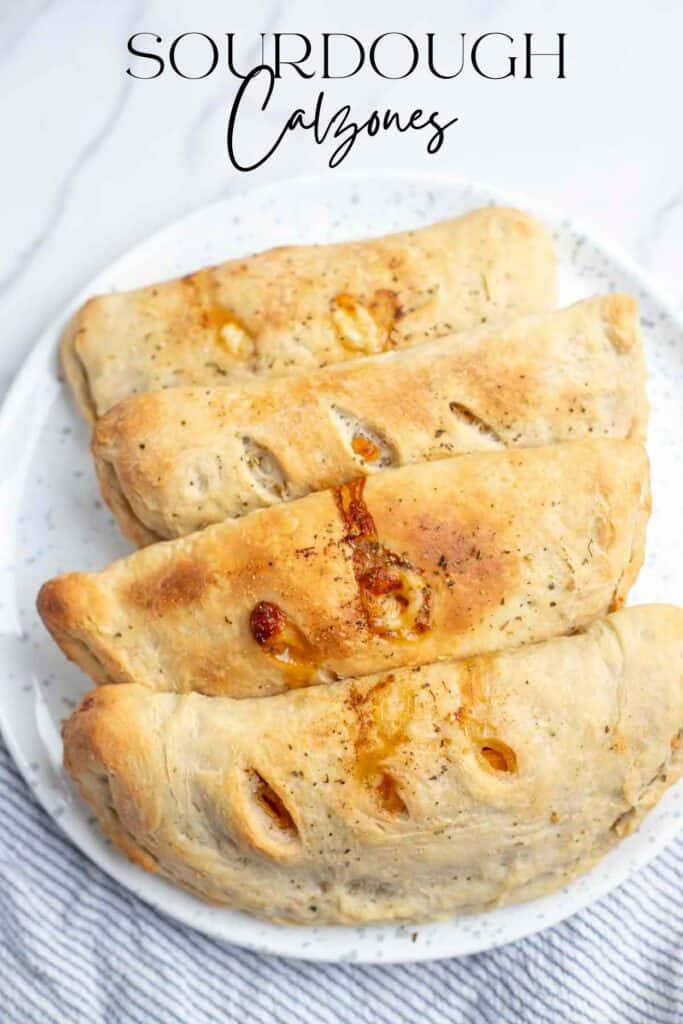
(171, 462)
(406, 795)
(442, 559)
(300, 307)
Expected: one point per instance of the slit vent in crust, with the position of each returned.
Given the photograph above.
(271, 803)
(465, 414)
(370, 449)
(498, 755)
(265, 470)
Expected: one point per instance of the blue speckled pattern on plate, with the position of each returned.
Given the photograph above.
(55, 521)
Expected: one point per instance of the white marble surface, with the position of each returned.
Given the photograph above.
(93, 161)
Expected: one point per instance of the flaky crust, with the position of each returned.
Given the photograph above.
(443, 559)
(453, 787)
(171, 462)
(300, 307)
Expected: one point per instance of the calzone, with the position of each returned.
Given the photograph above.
(406, 795)
(439, 560)
(300, 307)
(171, 462)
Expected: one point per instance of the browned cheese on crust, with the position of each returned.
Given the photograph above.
(300, 307)
(172, 462)
(407, 795)
(439, 560)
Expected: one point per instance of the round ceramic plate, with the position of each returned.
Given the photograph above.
(55, 521)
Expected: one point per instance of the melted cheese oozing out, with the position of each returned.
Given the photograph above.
(356, 326)
(364, 447)
(281, 639)
(394, 596)
(231, 334)
(236, 340)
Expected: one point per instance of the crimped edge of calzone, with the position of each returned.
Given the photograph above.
(438, 399)
(176, 311)
(412, 795)
(437, 560)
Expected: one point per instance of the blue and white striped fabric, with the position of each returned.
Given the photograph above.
(76, 948)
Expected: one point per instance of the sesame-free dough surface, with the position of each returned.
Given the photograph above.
(438, 560)
(407, 795)
(171, 462)
(299, 307)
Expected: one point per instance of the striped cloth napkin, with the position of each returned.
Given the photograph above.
(76, 948)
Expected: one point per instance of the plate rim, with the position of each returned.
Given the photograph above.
(280, 938)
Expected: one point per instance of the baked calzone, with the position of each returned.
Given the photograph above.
(300, 307)
(442, 559)
(407, 795)
(171, 462)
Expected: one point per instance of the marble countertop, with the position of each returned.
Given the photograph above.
(93, 161)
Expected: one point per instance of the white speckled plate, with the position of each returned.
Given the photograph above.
(54, 521)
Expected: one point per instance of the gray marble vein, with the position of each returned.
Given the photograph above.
(658, 224)
(65, 189)
(175, 131)
(14, 30)
(89, 150)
